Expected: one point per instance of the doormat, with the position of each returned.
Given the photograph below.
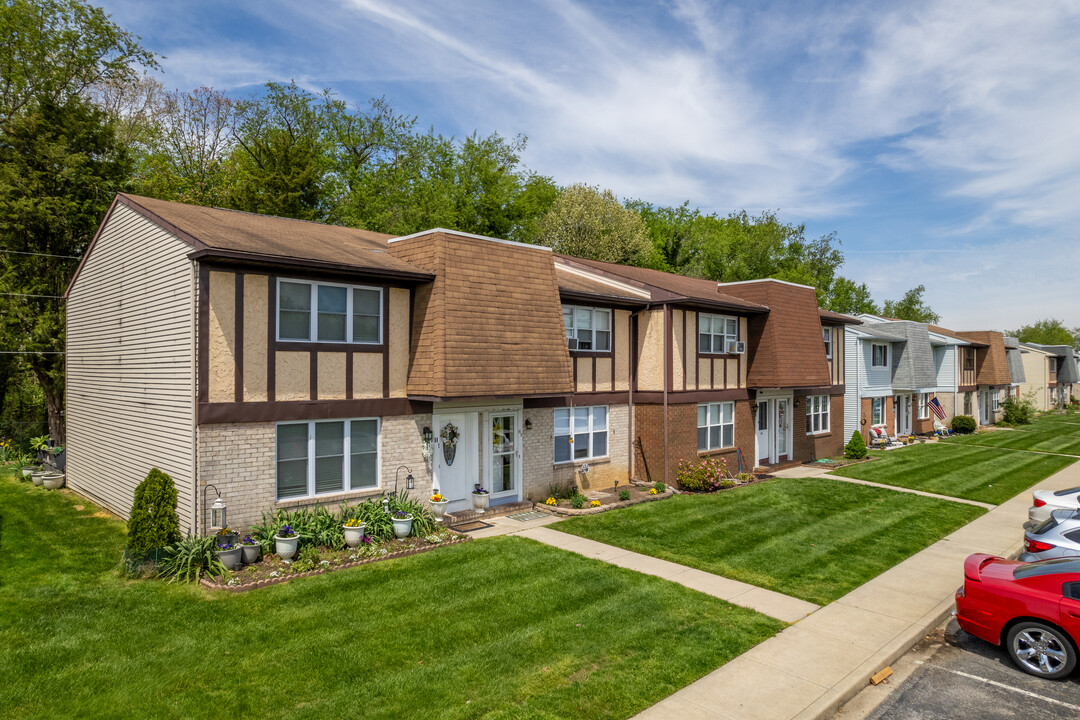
(472, 525)
(529, 515)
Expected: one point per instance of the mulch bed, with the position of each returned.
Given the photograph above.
(272, 570)
(755, 479)
(609, 500)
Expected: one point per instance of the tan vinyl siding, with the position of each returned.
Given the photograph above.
(130, 369)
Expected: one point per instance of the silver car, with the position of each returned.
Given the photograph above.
(1056, 537)
(1046, 501)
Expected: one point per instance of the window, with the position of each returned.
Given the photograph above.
(997, 400)
(591, 327)
(715, 425)
(581, 433)
(826, 334)
(924, 406)
(877, 411)
(1053, 365)
(969, 359)
(879, 355)
(332, 456)
(717, 334)
(343, 313)
(817, 413)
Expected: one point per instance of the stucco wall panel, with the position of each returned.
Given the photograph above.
(221, 338)
(367, 375)
(255, 339)
(622, 347)
(293, 376)
(399, 341)
(331, 380)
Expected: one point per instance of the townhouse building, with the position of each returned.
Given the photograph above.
(282, 363)
(1063, 373)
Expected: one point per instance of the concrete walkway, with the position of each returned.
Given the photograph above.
(809, 669)
(774, 604)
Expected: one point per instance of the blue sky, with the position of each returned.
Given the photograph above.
(940, 139)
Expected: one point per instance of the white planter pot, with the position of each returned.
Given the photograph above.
(53, 481)
(249, 554)
(402, 526)
(229, 558)
(480, 502)
(438, 509)
(285, 547)
(38, 476)
(354, 535)
(27, 470)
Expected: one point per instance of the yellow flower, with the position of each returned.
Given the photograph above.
(652, 491)
(594, 503)
(551, 501)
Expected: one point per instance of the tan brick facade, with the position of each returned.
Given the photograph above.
(602, 473)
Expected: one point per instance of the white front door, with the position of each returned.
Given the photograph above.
(503, 454)
(985, 407)
(764, 425)
(902, 410)
(454, 458)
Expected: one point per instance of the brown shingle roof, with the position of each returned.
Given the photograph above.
(665, 286)
(785, 348)
(834, 318)
(991, 363)
(241, 234)
(953, 334)
(578, 283)
(490, 323)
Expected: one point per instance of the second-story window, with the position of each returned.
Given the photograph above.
(717, 334)
(826, 334)
(587, 328)
(327, 312)
(879, 355)
(969, 359)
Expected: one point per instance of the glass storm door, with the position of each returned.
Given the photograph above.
(505, 453)
(764, 451)
(783, 420)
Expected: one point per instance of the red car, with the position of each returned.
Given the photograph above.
(1033, 609)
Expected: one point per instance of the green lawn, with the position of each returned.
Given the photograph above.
(500, 628)
(961, 470)
(814, 539)
(1042, 438)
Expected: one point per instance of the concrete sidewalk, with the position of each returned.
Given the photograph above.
(812, 667)
(774, 604)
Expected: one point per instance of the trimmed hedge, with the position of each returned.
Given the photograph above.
(153, 523)
(964, 424)
(856, 447)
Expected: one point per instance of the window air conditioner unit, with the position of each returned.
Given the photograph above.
(571, 343)
(740, 348)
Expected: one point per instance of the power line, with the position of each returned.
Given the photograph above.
(19, 252)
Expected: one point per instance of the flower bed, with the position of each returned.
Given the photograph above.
(272, 570)
(609, 500)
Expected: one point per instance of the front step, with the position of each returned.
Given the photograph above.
(465, 516)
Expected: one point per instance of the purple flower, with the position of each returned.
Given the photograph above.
(401, 514)
(286, 532)
(222, 547)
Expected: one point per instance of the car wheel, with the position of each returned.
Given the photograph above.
(1041, 650)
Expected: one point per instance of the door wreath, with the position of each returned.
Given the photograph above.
(449, 436)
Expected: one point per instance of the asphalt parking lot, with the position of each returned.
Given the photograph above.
(954, 675)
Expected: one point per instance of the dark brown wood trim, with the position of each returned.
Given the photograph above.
(724, 363)
(386, 343)
(295, 265)
(204, 332)
(691, 396)
(271, 333)
(591, 353)
(820, 390)
(718, 356)
(573, 365)
(685, 315)
(313, 374)
(607, 302)
(302, 410)
(967, 388)
(594, 374)
(238, 339)
(349, 375)
(302, 346)
(712, 374)
(578, 400)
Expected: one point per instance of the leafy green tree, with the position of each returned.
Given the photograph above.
(670, 230)
(590, 223)
(153, 522)
(911, 307)
(847, 296)
(1049, 331)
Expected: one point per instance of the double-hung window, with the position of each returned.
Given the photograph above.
(877, 411)
(879, 355)
(924, 406)
(717, 334)
(817, 413)
(581, 433)
(997, 400)
(325, 312)
(327, 456)
(589, 328)
(826, 335)
(715, 425)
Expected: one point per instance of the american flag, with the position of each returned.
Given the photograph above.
(935, 407)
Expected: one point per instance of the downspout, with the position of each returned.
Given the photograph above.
(631, 343)
(196, 499)
(668, 349)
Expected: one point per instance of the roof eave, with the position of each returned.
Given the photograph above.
(286, 262)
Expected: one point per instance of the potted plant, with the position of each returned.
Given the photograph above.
(58, 459)
(228, 554)
(438, 506)
(38, 476)
(26, 465)
(285, 542)
(227, 535)
(52, 480)
(402, 523)
(249, 550)
(354, 532)
(480, 498)
(40, 444)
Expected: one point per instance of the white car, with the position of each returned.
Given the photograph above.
(1046, 501)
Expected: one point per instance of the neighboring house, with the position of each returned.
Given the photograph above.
(869, 352)
(1064, 373)
(282, 363)
(1014, 358)
(992, 380)
(1037, 374)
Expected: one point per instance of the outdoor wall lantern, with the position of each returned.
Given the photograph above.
(410, 481)
(427, 434)
(528, 423)
(218, 511)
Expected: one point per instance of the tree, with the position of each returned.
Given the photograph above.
(59, 169)
(847, 296)
(1049, 331)
(153, 523)
(911, 307)
(670, 231)
(590, 223)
